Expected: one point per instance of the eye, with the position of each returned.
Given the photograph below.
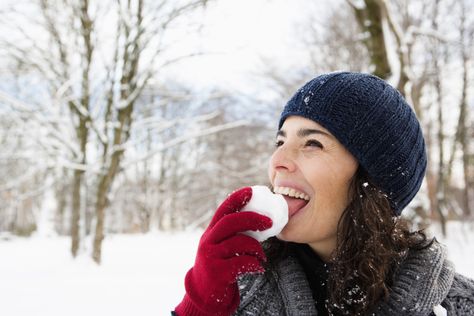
(314, 143)
(278, 143)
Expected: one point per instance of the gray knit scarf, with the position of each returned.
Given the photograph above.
(424, 280)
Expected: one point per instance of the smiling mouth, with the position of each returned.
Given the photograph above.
(296, 200)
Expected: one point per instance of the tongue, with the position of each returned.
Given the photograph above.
(294, 204)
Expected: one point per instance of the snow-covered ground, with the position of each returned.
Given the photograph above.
(140, 274)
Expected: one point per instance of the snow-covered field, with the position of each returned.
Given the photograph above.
(140, 274)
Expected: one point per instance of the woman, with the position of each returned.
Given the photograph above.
(352, 144)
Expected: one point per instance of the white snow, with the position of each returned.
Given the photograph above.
(439, 310)
(265, 202)
(140, 275)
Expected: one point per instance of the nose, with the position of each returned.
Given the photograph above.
(283, 159)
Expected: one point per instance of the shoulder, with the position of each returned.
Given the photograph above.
(422, 280)
(460, 298)
(462, 286)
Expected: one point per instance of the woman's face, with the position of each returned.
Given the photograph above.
(313, 171)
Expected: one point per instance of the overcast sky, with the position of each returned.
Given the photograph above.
(239, 34)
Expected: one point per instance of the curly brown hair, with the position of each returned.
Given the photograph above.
(371, 243)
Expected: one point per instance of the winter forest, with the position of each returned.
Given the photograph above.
(125, 123)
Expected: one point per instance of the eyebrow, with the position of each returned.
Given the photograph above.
(304, 132)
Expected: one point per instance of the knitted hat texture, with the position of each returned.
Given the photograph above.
(374, 122)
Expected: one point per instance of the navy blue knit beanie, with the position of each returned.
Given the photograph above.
(374, 122)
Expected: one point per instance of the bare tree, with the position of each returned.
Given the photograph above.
(371, 18)
(91, 81)
(461, 137)
(189, 179)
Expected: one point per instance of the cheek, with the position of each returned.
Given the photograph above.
(271, 170)
(324, 218)
(334, 197)
(331, 190)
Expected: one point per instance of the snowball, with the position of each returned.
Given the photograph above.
(265, 202)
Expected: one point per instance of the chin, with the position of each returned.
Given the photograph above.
(282, 236)
(286, 235)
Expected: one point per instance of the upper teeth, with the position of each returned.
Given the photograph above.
(291, 192)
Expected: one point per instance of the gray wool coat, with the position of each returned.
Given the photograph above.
(425, 284)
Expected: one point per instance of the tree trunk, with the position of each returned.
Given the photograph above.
(463, 114)
(440, 188)
(61, 193)
(370, 20)
(461, 139)
(76, 209)
(82, 129)
(121, 135)
(101, 204)
(82, 134)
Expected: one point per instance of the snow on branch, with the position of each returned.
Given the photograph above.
(81, 110)
(187, 137)
(356, 4)
(158, 121)
(179, 11)
(90, 168)
(40, 120)
(429, 33)
(163, 125)
(404, 39)
(395, 27)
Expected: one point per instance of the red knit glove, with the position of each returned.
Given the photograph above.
(223, 254)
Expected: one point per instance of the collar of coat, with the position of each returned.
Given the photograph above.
(422, 282)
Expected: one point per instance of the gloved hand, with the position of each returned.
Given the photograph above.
(223, 254)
